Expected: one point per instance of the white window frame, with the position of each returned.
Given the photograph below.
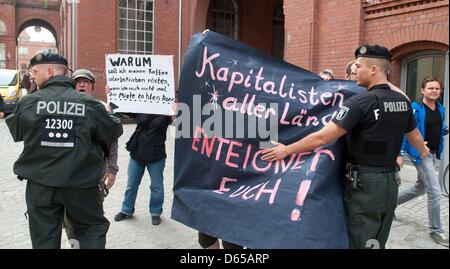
(3, 28)
(235, 13)
(127, 29)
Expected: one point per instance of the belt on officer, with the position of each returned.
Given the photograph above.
(374, 169)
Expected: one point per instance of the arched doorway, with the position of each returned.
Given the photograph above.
(259, 26)
(3, 32)
(223, 17)
(416, 67)
(33, 37)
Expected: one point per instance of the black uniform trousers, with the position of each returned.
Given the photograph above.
(370, 208)
(84, 209)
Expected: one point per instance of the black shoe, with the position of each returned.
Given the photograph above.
(156, 220)
(121, 216)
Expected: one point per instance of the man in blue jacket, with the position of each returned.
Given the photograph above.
(429, 116)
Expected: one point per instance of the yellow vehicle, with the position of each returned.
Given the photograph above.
(10, 88)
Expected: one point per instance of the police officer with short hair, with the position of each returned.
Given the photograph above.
(62, 159)
(375, 123)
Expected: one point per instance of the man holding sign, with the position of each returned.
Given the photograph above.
(143, 85)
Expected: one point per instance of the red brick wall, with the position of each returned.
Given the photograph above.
(96, 36)
(256, 24)
(17, 17)
(166, 30)
(338, 35)
(411, 30)
(299, 26)
(322, 34)
(7, 15)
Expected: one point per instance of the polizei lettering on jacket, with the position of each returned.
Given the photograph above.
(395, 106)
(61, 108)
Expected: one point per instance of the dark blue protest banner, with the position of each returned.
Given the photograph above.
(233, 100)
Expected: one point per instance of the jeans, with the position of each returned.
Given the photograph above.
(428, 182)
(135, 173)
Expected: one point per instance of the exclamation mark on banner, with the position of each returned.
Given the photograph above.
(300, 200)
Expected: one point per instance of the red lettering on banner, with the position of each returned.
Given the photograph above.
(236, 154)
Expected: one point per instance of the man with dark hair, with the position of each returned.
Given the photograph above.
(62, 159)
(375, 123)
(429, 115)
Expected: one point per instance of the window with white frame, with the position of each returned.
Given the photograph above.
(136, 26)
(2, 28)
(223, 15)
(23, 50)
(2, 55)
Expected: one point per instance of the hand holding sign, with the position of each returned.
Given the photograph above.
(141, 83)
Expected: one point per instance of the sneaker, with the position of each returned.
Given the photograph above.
(156, 220)
(440, 238)
(121, 216)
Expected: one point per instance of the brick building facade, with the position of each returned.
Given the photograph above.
(313, 34)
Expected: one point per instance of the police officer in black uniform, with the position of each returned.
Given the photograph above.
(375, 123)
(63, 132)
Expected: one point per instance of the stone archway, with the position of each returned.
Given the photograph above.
(403, 50)
(429, 32)
(38, 22)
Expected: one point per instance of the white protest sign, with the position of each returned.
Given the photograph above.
(141, 83)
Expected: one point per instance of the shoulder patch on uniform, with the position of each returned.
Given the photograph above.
(342, 113)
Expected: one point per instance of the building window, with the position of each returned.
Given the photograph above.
(2, 55)
(23, 50)
(136, 26)
(2, 28)
(278, 32)
(223, 17)
(416, 67)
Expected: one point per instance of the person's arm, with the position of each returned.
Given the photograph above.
(444, 126)
(108, 125)
(330, 132)
(415, 139)
(111, 165)
(14, 122)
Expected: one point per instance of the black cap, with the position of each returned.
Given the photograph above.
(48, 58)
(373, 51)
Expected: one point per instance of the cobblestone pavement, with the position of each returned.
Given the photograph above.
(408, 231)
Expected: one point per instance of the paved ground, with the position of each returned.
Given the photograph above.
(409, 231)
